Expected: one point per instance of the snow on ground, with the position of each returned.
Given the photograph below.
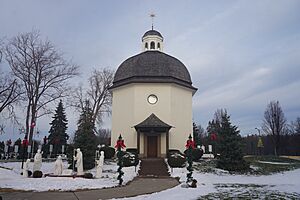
(13, 179)
(274, 163)
(287, 182)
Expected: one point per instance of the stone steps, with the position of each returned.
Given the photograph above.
(153, 167)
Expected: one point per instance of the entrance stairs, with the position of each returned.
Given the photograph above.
(153, 167)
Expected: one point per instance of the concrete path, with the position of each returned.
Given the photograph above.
(138, 186)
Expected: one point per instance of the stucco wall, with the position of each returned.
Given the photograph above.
(130, 107)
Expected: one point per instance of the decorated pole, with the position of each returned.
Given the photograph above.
(190, 145)
(120, 145)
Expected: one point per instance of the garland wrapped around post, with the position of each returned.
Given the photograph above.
(120, 144)
(190, 145)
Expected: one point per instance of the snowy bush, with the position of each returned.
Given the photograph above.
(196, 154)
(176, 160)
(88, 175)
(130, 159)
(37, 174)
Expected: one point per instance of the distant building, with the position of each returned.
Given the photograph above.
(152, 100)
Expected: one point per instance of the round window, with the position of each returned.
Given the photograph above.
(152, 99)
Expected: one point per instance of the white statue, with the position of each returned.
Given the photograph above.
(79, 162)
(26, 168)
(58, 166)
(100, 165)
(37, 164)
(203, 148)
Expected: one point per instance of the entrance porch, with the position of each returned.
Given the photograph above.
(152, 137)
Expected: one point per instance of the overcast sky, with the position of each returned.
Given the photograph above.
(240, 54)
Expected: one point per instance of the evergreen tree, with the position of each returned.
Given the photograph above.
(213, 129)
(85, 138)
(196, 135)
(230, 146)
(58, 135)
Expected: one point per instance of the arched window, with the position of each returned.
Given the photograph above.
(158, 45)
(146, 45)
(152, 45)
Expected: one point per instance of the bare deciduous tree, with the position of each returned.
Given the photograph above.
(295, 126)
(274, 123)
(9, 93)
(42, 73)
(97, 94)
(9, 89)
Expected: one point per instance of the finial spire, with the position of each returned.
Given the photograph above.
(152, 15)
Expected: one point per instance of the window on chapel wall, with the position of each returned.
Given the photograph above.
(158, 45)
(146, 45)
(152, 45)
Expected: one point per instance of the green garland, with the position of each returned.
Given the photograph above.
(120, 144)
(120, 164)
(189, 156)
(190, 164)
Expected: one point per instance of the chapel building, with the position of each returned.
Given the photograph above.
(152, 100)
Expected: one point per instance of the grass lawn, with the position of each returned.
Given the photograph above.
(247, 191)
(265, 165)
(260, 166)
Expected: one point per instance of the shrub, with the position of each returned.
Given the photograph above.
(132, 150)
(172, 151)
(37, 174)
(109, 152)
(88, 175)
(196, 153)
(130, 159)
(176, 159)
(29, 173)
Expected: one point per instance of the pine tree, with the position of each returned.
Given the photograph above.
(58, 135)
(230, 146)
(85, 138)
(196, 135)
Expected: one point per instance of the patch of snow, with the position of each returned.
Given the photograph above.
(274, 163)
(13, 179)
(283, 182)
(254, 167)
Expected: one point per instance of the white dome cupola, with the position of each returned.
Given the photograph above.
(152, 40)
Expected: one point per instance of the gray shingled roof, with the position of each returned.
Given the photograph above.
(152, 122)
(152, 32)
(152, 66)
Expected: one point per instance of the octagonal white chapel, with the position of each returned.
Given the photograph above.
(152, 100)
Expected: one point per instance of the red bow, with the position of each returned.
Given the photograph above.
(8, 142)
(190, 143)
(120, 143)
(25, 142)
(213, 136)
(32, 125)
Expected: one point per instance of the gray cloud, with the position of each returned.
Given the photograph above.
(241, 54)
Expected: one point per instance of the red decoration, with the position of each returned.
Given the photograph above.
(213, 136)
(32, 125)
(120, 143)
(8, 142)
(25, 142)
(190, 143)
(56, 141)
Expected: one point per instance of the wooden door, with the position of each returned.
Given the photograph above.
(152, 146)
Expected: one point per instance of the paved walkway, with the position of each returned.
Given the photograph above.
(138, 186)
